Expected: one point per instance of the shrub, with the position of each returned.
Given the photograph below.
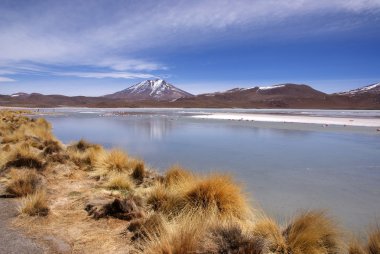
(34, 204)
(23, 182)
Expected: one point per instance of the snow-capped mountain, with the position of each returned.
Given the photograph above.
(370, 89)
(19, 94)
(151, 90)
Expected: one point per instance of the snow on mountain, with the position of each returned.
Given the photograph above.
(372, 89)
(270, 87)
(151, 89)
(19, 94)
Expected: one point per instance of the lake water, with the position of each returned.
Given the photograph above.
(284, 170)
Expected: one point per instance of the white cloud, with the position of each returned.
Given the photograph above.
(122, 75)
(5, 79)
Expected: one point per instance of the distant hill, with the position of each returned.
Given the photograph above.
(159, 93)
(158, 90)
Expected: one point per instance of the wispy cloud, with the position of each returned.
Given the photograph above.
(98, 75)
(5, 79)
(76, 33)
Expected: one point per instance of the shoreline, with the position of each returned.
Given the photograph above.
(325, 121)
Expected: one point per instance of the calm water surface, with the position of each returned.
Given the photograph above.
(283, 170)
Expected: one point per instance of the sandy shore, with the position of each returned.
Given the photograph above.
(364, 122)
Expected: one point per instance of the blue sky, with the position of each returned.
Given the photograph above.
(98, 47)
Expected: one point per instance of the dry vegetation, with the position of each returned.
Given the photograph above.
(103, 201)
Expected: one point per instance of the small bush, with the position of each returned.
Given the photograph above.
(23, 182)
(34, 204)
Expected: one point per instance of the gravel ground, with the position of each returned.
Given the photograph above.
(11, 240)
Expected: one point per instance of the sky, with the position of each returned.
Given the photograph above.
(97, 47)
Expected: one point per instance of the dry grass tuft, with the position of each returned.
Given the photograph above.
(143, 229)
(85, 154)
(23, 156)
(312, 233)
(355, 248)
(51, 147)
(217, 194)
(181, 237)
(268, 233)
(177, 175)
(34, 204)
(113, 161)
(23, 182)
(374, 242)
(162, 200)
(230, 238)
(6, 148)
(118, 181)
(139, 172)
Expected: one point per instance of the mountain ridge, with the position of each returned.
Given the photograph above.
(286, 95)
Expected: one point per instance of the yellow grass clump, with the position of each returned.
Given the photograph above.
(182, 236)
(34, 204)
(23, 182)
(163, 200)
(269, 234)
(119, 181)
(355, 248)
(85, 154)
(312, 233)
(374, 242)
(139, 172)
(112, 161)
(176, 175)
(217, 194)
(23, 156)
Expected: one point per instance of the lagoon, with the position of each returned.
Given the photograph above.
(284, 168)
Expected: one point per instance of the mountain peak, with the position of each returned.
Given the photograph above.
(370, 89)
(157, 89)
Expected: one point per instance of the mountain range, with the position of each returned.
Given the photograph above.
(159, 93)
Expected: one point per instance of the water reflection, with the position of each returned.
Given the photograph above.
(156, 128)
